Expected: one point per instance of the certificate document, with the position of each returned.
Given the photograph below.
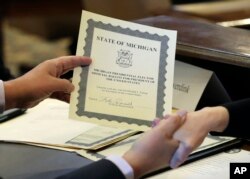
(130, 80)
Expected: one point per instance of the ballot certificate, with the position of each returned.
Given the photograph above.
(130, 80)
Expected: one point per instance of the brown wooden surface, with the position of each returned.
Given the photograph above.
(225, 51)
(205, 40)
(218, 11)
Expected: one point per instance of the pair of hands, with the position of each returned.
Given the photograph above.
(168, 143)
(155, 148)
(174, 138)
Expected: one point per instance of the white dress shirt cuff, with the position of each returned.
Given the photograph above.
(123, 165)
(2, 97)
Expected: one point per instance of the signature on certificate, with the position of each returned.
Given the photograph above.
(114, 102)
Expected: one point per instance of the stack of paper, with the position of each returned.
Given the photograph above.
(48, 123)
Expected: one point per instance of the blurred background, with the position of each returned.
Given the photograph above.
(32, 31)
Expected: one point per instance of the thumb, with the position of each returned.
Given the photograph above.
(180, 155)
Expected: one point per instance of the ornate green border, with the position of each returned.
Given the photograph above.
(84, 74)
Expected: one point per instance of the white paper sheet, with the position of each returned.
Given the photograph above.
(48, 123)
(214, 167)
(189, 83)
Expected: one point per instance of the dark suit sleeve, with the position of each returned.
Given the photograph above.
(239, 118)
(96, 170)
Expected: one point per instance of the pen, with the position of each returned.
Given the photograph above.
(11, 113)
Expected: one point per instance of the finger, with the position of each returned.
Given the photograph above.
(170, 126)
(61, 96)
(62, 85)
(180, 155)
(172, 123)
(182, 114)
(67, 63)
(65, 97)
(155, 122)
(166, 116)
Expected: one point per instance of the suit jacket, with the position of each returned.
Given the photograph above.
(239, 119)
(96, 170)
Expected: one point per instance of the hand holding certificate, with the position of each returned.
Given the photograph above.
(130, 81)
